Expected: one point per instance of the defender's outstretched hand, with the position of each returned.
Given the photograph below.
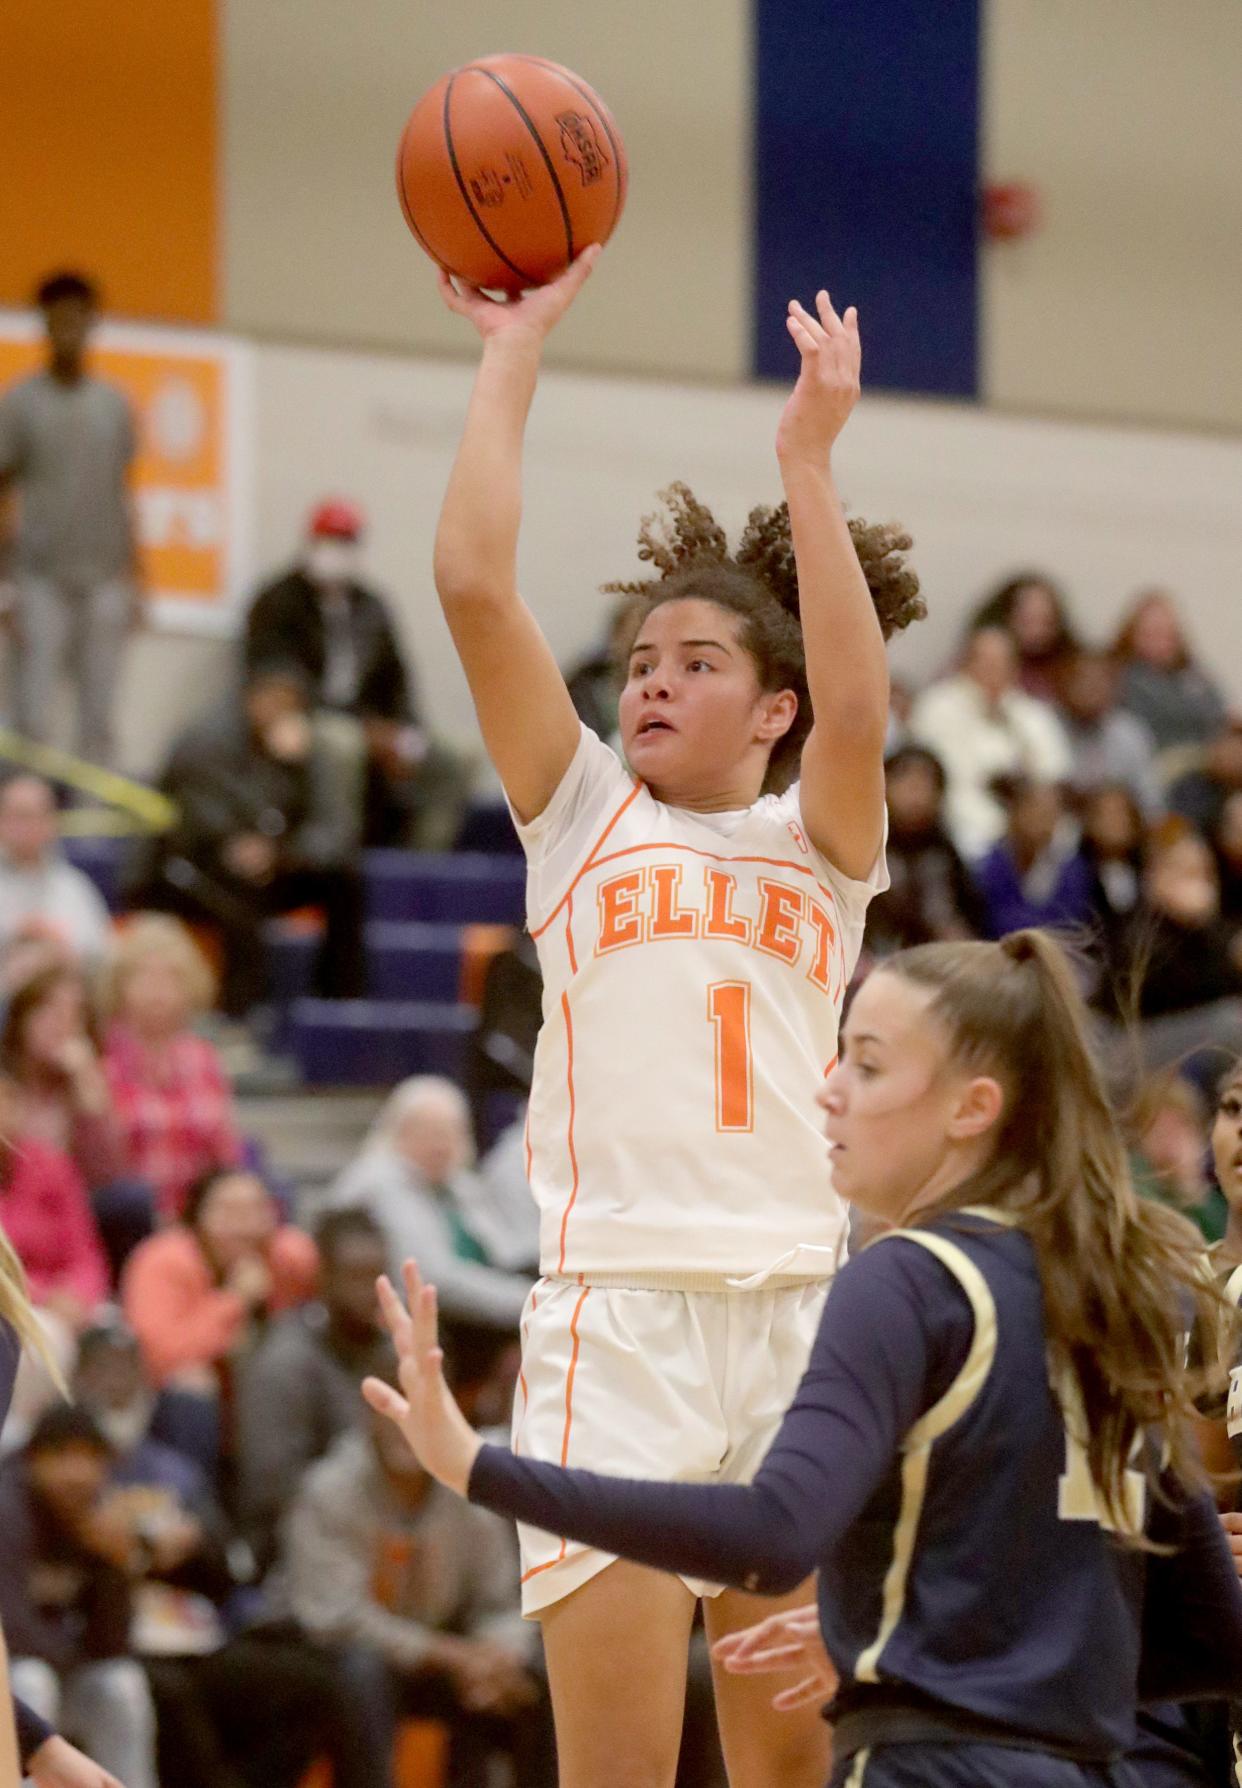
(438, 1434)
(790, 1640)
(535, 312)
(828, 381)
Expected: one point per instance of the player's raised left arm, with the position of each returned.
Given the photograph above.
(842, 790)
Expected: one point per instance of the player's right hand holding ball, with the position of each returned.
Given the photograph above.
(529, 317)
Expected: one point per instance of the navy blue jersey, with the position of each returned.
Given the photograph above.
(926, 1469)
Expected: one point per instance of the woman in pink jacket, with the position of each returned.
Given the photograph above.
(199, 1293)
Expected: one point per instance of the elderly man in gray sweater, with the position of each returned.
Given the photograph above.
(475, 1237)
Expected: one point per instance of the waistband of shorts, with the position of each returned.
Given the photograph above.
(722, 1283)
(890, 1722)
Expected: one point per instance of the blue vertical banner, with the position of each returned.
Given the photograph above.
(866, 181)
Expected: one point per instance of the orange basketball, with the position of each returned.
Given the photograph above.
(508, 168)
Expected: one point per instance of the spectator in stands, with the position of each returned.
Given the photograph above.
(66, 442)
(594, 683)
(1227, 1157)
(1160, 681)
(900, 706)
(47, 1216)
(1171, 1162)
(1200, 793)
(1033, 611)
(1113, 840)
(931, 897)
(252, 1708)
(169, 1090)
(43, 897)
(502, 1049)
(981, 726)
(201, 1293)
(419, 1591)
(1109, 745)
(1227, 843)
(270, 819)
(414, 1174)
(66, 1596)
(1184, 960)
(320, 615)
(309, 1366)
(1036, 874)
(112, 1382)
(50, 1046)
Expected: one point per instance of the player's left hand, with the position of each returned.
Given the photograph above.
(1232, 1525)
(791, 1640)
(438, 1434)
(57, 1764)
(828, 380)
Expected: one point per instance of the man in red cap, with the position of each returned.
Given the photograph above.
(320, 615)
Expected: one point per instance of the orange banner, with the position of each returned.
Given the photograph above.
(189, 395)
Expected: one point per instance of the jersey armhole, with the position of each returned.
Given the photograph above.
(972, 1375)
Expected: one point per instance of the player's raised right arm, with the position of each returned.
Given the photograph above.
(527, 719)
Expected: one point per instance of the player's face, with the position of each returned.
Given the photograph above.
(692, 707)
(1227, 1141)
(897, 1112)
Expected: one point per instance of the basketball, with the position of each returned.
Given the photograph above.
(507, 169)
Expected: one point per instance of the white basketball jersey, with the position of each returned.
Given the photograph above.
(694, 967)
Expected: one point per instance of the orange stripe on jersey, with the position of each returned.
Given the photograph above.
(573, 1153)
(526, 1140)
(569, 1378)
(832, 1064)
(569, 934)
(546, 1565)
(589, 860)
(569, 1422)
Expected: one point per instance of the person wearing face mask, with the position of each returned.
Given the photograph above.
(269, 818)
(320, 615)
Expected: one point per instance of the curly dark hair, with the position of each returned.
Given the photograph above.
(689, 551)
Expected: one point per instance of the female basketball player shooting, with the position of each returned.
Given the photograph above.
(696, 935)
(993, 1391)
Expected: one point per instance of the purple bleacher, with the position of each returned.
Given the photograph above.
(451, 887)
(376, 1042)
(406, 960)
(102, 859)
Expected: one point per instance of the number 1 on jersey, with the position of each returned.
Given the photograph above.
(728, 1009)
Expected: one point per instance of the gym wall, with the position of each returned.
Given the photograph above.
(230, 161)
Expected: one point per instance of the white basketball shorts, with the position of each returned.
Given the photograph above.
(687, 1386)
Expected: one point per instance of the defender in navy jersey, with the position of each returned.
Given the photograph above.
(969, 1460)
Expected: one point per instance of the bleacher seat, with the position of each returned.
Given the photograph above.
(406, 960)
(375, 1042)
(102, 859)
(453, 887)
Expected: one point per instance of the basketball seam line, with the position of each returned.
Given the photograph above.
(597, 106)
(542, 147)
(462, 188)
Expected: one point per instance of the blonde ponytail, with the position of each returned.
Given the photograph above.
(17, 1310)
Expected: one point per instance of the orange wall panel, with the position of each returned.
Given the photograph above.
(110, 151)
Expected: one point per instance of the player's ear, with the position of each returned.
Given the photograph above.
(976, 1108)
(777, 714)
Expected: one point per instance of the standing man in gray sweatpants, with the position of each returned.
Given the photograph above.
(66, 443)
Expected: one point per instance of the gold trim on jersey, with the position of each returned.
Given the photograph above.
(917, 1445)
(855, 1777)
